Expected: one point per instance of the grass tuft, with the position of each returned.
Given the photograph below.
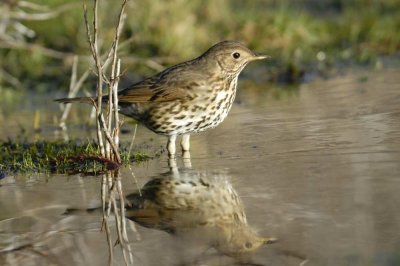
(60, 157)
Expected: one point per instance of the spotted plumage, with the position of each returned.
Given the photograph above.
(189, 97)
(200, 205)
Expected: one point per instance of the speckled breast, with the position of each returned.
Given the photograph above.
(200, 113)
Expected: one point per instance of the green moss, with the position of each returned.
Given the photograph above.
(59, 157)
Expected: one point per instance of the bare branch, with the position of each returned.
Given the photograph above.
(122, 228)
(155, 63)
(115, 93)
(34, 47)
(88, 33)
(118, 29)
(108, 125)
(7, 77)
(46, 12)
(93, 42)
(105, 190)
(73, 90)
(107, 134)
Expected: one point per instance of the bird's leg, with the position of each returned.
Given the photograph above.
(185, 142)
(173, 166)
(171, 146)
(187, 163)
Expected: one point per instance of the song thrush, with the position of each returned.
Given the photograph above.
(186, 98)
(198, 206)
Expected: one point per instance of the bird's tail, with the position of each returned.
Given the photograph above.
(89, 100)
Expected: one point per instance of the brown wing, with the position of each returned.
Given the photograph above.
(171, 84)
(150, 91)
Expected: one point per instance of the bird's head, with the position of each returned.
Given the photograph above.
(239, 238)
(231, 56)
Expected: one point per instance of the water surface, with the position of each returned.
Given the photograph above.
(317, 167)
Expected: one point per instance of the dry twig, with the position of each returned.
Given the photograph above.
(108, 127)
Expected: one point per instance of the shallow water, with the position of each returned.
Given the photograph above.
(317, 167)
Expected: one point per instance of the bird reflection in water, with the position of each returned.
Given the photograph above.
(197, 206)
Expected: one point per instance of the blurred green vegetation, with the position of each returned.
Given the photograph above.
(302, 36)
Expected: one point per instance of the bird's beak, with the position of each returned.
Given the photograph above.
(270, 240)
(260, 56)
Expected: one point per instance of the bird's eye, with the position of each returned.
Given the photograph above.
(236, 55)
(248, 245)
